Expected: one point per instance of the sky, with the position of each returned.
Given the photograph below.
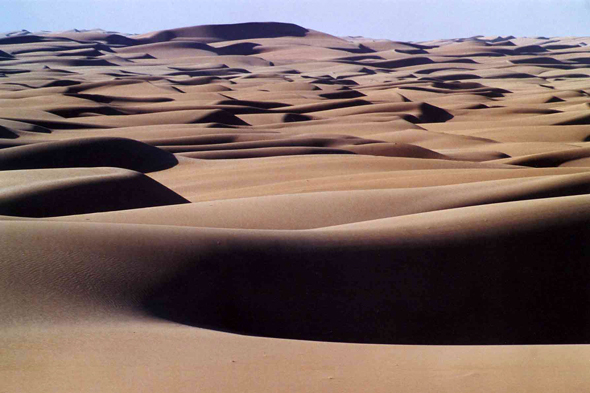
(403, 20)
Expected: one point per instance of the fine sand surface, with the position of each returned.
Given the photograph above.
(266, 208)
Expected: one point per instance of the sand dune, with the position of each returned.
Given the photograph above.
(333, 257)
(54, 192)
(87, 152)
(329, 208)
(247, 207)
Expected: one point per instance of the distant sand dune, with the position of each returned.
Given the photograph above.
(47, 193)
(87, 152)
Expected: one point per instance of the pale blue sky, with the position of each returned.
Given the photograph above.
(410, 20)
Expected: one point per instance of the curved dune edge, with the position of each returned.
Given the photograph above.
(232, 280)
(87, 152)
(265, 207)
(329, 208)
(305, 365)
(63, 192)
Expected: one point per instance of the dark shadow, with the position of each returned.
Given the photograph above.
(521, 288)
(254, 104)
(407, 62)
(99, 194)
(213, 72)
(60, 83)
(412, 51)
(529, 50)
(244, 31)
(117, 39)
(333, 81)
(88, 152)
(484, 92)
(22, 39)
(580, 60)
(538, 60)
(6, 133)
(455, 77)
(241, 49)
(433, 114)
(103, 99)
(360, 50)
(4, 55)
(73, 112)
(227, 32)
(342, 94)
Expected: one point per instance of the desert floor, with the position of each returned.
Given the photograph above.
(267, 208)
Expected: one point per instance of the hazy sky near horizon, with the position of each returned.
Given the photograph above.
(408, 20)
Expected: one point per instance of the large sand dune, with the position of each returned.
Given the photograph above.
(263, 207)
